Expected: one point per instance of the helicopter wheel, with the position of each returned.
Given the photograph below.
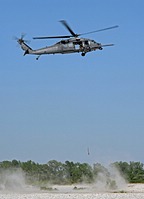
(83, 54)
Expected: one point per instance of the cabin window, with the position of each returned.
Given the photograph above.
(86, 42)
(70, 45)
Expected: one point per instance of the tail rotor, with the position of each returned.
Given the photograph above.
(21, 39)
(23, 44)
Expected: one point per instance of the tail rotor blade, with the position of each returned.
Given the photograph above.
(21, 39)
(23, 35)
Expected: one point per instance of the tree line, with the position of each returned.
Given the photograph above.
(56, 172)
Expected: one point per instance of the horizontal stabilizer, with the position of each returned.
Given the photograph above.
(105, 45)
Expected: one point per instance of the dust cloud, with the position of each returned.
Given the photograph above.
(14, 180)
(109, 179)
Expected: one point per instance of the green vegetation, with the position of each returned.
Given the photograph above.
(55, 172)
(133, 171)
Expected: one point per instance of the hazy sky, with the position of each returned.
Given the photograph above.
(58, 106)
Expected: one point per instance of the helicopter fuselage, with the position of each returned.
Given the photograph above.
(74, 45)
(69, 46)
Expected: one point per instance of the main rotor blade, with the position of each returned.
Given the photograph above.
(68, 27)
(100, 30)
(53, 37)
(72, 33)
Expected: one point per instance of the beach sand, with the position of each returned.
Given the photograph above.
(131, 191)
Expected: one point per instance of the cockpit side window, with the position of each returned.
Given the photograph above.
(93, 41)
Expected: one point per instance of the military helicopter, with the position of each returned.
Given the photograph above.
(69, 44)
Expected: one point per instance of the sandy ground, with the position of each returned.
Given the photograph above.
(131, 191)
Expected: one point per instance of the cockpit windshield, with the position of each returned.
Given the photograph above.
(93, 41)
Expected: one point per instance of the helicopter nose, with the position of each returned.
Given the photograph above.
(99, 46)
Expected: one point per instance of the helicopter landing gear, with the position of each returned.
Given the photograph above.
(37, 57)
(83, 54)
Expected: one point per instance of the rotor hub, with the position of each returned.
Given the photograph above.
(20, 41)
